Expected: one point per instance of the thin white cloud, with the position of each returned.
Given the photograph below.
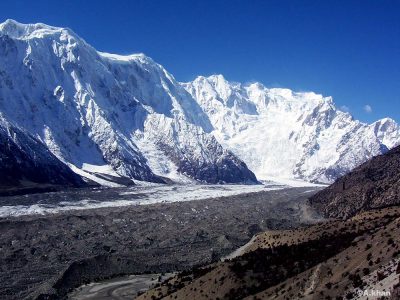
(345, 108)
(368, 109)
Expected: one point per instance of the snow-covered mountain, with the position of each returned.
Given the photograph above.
(96, 111)
(107, 116)
(286, 134)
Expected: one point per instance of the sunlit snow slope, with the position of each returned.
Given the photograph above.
(126, 114)
(285, 134)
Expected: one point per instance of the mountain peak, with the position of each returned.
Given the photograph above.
(217, 77)
(19, 30)
(214, 79)
(387, 121)
(256, 86)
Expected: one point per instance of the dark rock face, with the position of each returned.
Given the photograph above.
(227, 170)
(220, 167)
(24, 158)
(374, 184)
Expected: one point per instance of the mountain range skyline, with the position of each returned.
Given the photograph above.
(346, 49)
(127, 116)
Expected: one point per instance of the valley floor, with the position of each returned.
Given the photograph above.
(48, 255)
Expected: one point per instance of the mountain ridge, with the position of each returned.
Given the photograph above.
(128, 113)
(107, 104)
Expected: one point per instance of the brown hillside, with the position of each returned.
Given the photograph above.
(323, 261)
(374, 184)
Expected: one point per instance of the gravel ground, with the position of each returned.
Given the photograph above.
(45, 256)
(120, 288)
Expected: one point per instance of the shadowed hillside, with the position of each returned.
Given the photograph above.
(374, 184)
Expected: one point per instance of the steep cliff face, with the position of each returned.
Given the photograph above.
(281, 133)
(95, 109)
(374, 184)
(24, 160)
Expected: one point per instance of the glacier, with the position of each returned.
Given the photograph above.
(105, 115)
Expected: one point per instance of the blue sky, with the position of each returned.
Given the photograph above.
(346, 49)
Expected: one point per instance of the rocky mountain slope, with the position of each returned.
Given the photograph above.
(101, 111)
(374, 184)
(25, 160)
(332, 260)
(281, 133)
